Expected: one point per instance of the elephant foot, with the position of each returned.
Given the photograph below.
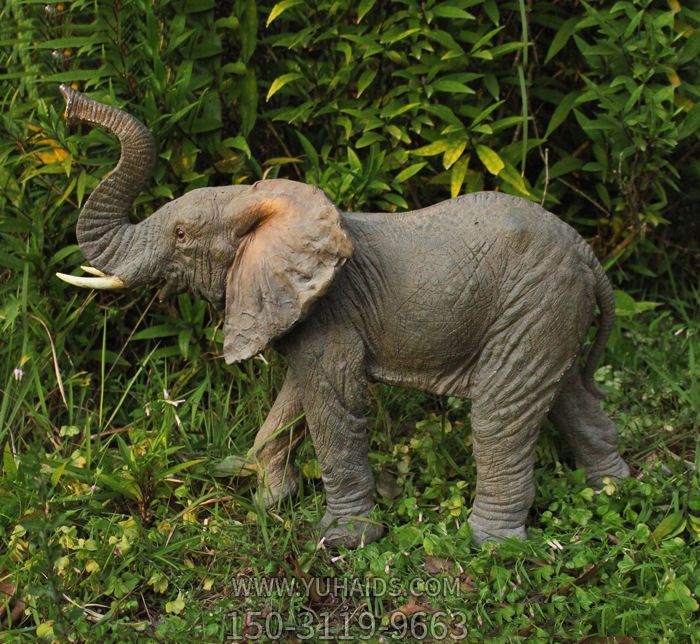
(483, 531)
(273, 489)
(349, 531)
(613, 467)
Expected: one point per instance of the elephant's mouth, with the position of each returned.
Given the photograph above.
(174, 282)
(177, 282)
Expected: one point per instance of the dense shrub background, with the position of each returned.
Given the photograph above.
(590, 108)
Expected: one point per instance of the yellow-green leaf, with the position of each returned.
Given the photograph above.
(459, 171)
(280, 8)
(45, 630)
(492, 162)
(176, 606)
(281, 81)
(281, 160)
(311, 470)
(695, 524)
(234, 465)
(61, 564)
(453, 153)
(512, 177)
(671, 526)
(436, 147)
(159, 583)
(57, 473)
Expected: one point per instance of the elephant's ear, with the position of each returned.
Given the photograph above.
(291, 246)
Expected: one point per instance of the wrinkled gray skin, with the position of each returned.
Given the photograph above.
(486, 296)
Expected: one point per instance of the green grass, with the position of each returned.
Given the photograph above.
(115, 528)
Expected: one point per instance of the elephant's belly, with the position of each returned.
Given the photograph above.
(433, 349)
(453, 381)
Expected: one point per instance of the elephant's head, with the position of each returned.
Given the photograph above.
(263, 253)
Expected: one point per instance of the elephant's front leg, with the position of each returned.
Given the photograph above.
(274, 445)
(334, 395)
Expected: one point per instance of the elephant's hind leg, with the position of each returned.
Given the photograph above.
(514, 390)
(578, 416)
(274, 446)
(504, 443)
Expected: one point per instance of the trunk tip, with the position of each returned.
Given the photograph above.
(69, 95)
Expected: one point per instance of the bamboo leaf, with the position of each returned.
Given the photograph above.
(281, 81)
(280, 8)
(369, 138)
(239, 143)
(453, 87)
(513, 178)
(436, 147)
(492, 162)
(76, 75)
(459, 171)
(249, 30)
(249, 102)
(80, 186)
(561, 112)
(453, 153)
(308, 148)
(365, 80)
(445, 10)
(281, 160)
(562, 37)
(407, 173)
(364, 8)
(181, 466)
(158, 331)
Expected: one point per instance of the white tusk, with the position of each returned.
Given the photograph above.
(94, 271)
(109, 282)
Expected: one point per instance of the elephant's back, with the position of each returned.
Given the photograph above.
(478, 215)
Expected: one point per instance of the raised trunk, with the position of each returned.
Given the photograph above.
(104, 232)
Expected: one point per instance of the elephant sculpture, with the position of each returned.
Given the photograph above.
(486, 296)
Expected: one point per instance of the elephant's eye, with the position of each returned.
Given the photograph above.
(180, 233)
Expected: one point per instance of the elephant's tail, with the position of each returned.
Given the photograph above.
(605, 298)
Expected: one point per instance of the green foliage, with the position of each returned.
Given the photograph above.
(639, 105)
(405, 94)
(114, 528)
